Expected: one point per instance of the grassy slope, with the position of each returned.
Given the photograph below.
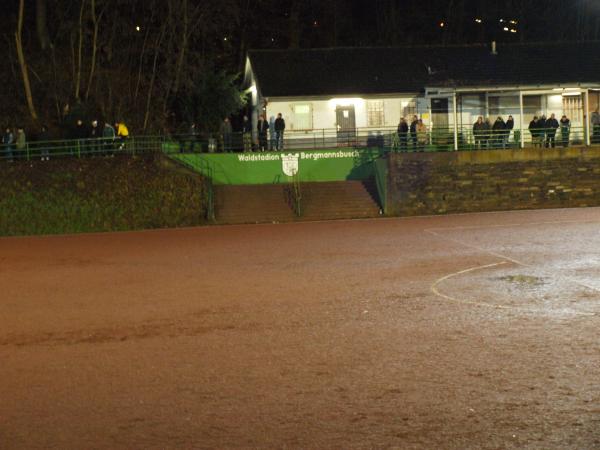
(96, 194)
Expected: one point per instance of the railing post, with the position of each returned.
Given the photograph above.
(27, 150)
(455, 122)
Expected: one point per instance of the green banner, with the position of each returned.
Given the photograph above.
(280, 167)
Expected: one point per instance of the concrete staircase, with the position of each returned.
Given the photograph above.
(320, 201)
(262, 203)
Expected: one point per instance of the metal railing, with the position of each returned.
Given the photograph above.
(432, 139)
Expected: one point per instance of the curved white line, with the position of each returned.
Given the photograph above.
(435, 290)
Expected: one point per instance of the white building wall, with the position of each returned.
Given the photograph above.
(324, 116)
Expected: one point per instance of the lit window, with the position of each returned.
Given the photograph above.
(375, 116)
(409, 109)
(302, 117)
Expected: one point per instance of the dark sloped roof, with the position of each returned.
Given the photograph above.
(368, 70)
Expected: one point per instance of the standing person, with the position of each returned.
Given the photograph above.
(226, 131)
(565, 130)
(421, 135)
(510, 124)
(108, 136)
(595, 127)
(21, 140)
(551, 126)
(272, 137)
(247, 134)
(193, 136)
(95, 135)
(486, 133)
(478, 132)
(533, 130)
(8, 141)
(43, 143)
(122, 134)
(279, 129)
(542, 130)
(498, 132)
(403, 134)
(263, 128)
(413, 132)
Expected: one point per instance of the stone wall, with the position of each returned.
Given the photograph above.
(492, 180)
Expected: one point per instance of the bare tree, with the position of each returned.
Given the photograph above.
(23, 63)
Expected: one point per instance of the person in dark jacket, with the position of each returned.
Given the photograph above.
(534, 131)
(8, 141)
(486, 133)
(279, 129)
(247, 134)
(263, 128)
(478, 132)
(565, 130)
(226, 134)
(551, 127)
(510, 124)
(542, 130)
(403, 134)
(498, 132)
(413, 132)
(43, 144)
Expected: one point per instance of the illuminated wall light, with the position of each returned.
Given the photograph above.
(505, 28)
(442, 24)
(512, 30)
(335, 102)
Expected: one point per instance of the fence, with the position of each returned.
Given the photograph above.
(436, 139)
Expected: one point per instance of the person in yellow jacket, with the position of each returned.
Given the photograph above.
(122, 133)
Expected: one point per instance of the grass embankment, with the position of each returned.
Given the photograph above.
(97, 194)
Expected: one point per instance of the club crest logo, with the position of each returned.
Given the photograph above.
(290, 164)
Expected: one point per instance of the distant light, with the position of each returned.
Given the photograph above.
(512, 30)
(442, 24)
(478, 20)
(505, 28)
(514, 22)
(225, 38)
(272, 39)
(137, 28)
(501, 20)
(316, 23)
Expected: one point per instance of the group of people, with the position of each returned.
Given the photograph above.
(270, 136)
(99, 136)
(414, 134)
(496, 135)
(13, 140)
(93, 138)
(270, 133)
(543, 131)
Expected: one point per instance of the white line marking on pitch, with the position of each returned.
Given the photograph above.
(515, 261)
(434, 289)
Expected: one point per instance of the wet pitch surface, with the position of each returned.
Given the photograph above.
(474, 331)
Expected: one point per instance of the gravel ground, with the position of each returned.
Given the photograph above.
(477, 331)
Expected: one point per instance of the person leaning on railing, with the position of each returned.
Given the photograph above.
(122, 134)
(403, 134)
(551, 127)
(534, 131)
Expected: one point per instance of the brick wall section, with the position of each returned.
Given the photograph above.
(492, 180)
